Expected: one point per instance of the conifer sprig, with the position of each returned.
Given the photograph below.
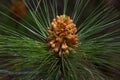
(26, 53)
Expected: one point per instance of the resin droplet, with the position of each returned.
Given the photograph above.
(63, 36)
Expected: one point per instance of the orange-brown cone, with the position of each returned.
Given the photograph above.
(63, 36)
(18, 10)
